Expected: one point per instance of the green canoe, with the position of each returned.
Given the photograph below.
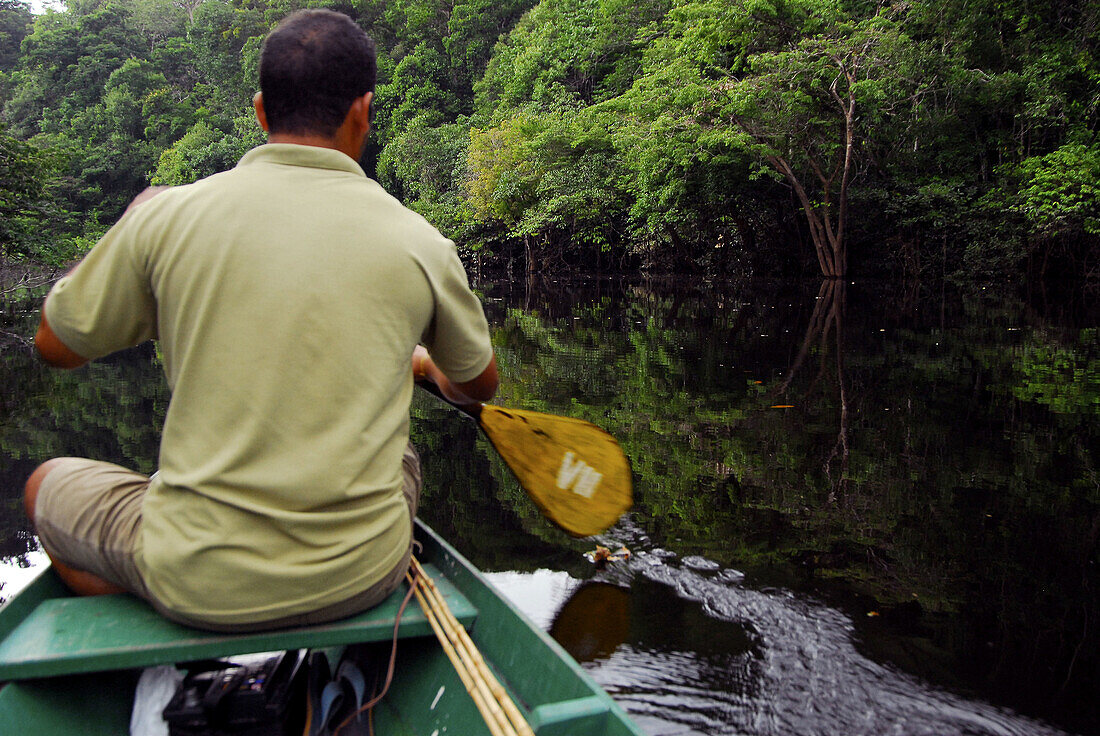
(69, 665)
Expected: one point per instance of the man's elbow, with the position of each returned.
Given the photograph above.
(483, 392)
(484, 387)
(53, 351)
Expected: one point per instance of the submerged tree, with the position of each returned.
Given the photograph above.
(803, 85)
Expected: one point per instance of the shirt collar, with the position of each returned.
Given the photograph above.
(291, 154)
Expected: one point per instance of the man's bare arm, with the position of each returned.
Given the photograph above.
(52, 350)
(480, 389)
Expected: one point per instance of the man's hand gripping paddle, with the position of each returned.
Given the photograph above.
(575, 472)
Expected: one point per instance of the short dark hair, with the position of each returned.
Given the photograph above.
(314, 64)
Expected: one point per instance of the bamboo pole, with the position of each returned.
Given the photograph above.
(500, 712)
(486, 707)
(487, 687)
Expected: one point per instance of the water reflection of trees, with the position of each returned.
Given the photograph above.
(938, 461)
(940, 454)
(827, 320)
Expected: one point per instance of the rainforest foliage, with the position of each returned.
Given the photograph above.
(926, 137)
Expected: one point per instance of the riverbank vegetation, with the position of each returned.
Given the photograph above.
(785, 137)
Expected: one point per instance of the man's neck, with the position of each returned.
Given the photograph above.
(343, 141)
(319, 141)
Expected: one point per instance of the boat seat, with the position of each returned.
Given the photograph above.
(71, 635)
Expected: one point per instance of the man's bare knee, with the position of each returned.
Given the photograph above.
(30, 490)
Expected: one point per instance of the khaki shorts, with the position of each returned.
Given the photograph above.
(88, 516)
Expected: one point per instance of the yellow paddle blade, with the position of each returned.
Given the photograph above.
(575, 472)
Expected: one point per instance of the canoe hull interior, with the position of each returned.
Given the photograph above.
(426, 696)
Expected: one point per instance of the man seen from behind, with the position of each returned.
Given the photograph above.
(294, 303)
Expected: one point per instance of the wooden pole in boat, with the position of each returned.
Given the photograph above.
(490, 711)
(470, 655)
(498, 709)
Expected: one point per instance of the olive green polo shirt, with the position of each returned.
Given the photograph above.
(287, 295)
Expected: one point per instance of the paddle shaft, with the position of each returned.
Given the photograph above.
(470, 410)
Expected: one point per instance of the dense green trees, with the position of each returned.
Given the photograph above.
(15, 24)
(788, 136)
(78, 90)
(23, 198)
(727, 131)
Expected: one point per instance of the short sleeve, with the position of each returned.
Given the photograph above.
(458, 336)
(107, 303)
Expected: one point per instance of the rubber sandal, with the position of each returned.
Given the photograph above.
(333, 699)
(348, 719)
(318, 679)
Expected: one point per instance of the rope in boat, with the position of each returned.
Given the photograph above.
(376, 699)
(500, 713)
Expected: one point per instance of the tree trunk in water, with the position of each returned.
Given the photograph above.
(828, 240)
(529, 251)
(828, 219)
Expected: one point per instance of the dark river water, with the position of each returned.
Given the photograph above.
(860, 508)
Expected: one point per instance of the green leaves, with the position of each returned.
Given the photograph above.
(204, 150)
(22, 196)
(15, 24)
(682, 134)
(34, 220)
(1059, 193)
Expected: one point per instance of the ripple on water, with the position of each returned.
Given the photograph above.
(799, 674)
(700, 564)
